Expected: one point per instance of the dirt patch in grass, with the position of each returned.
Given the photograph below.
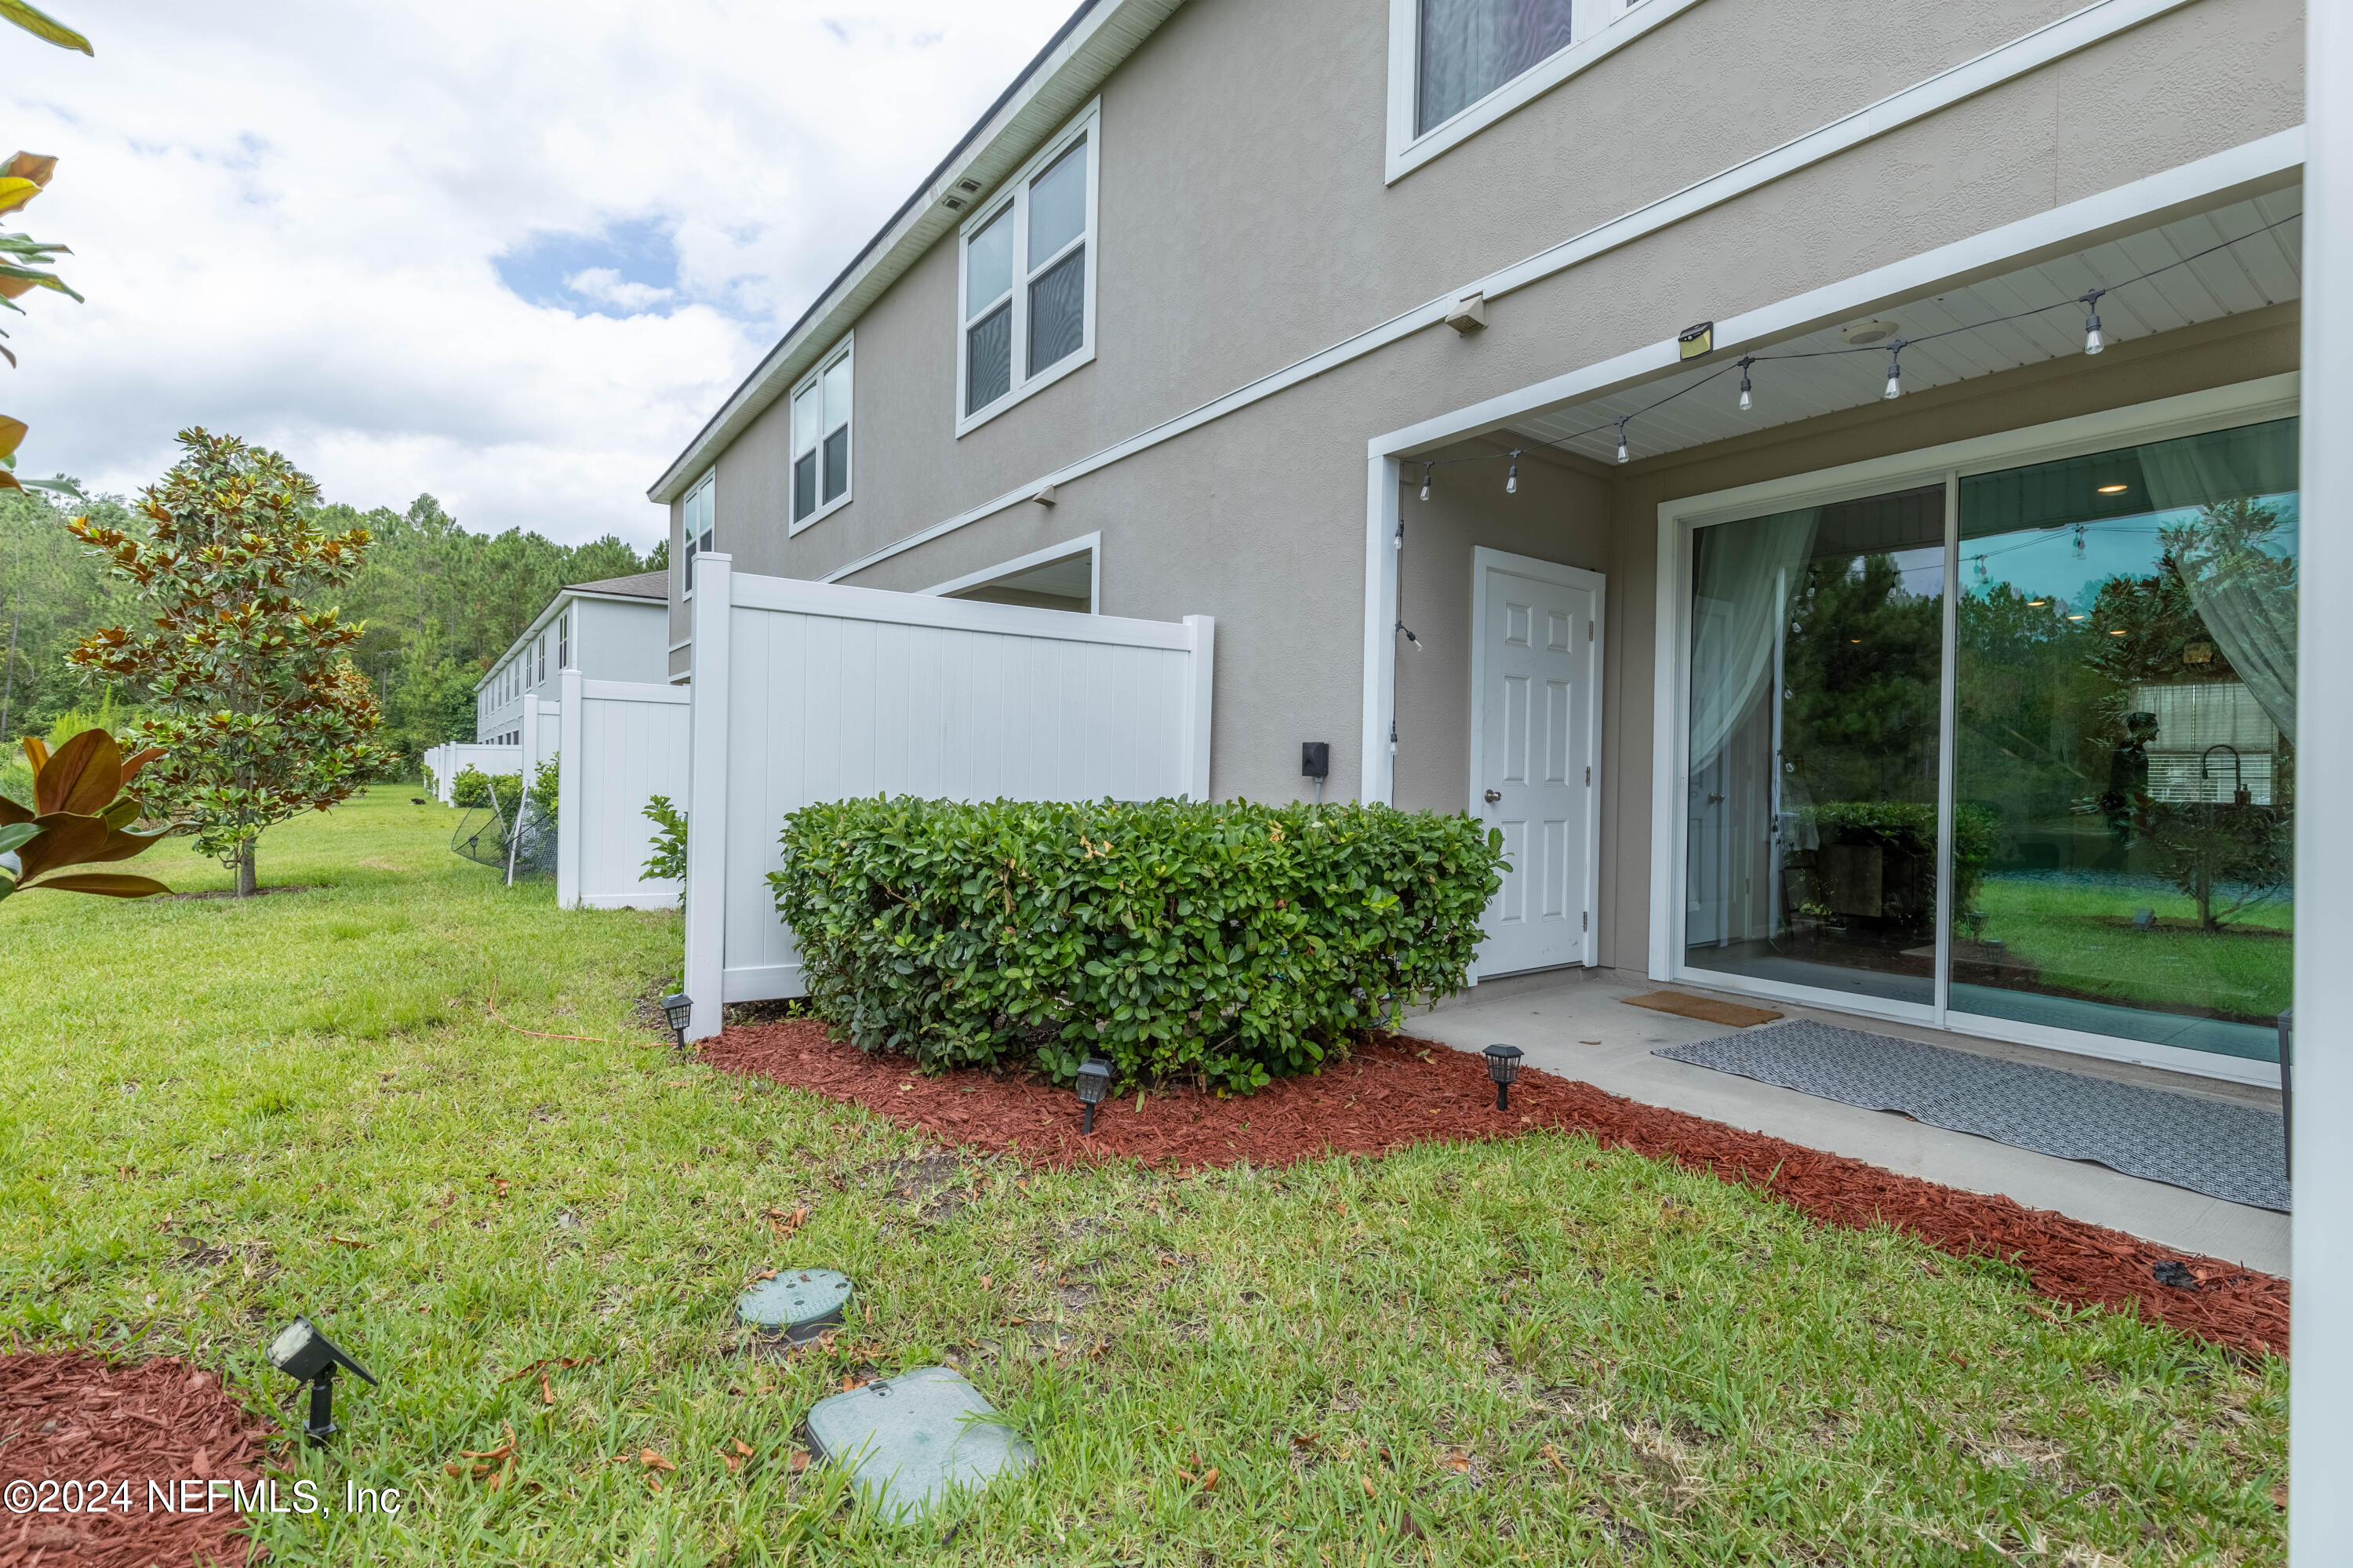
(75, 1418)
(256, 893)
(1394, 1092)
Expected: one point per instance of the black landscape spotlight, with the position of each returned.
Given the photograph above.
(306, 1355)
(678, 1010)
(1094, 1087)
(1504, 1066)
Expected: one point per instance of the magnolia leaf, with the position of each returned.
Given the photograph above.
(64, 841)
(14, 192)
(12, 432)
(137, 760)
(15, 280)
(11, 813)
(62, 486)
(36, 752)
(16, 835)
(8, 480)
(106, 884)
(43, 27)
(38, 167)
(83, 778)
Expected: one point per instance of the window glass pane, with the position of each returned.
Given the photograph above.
(1471, 48)
(837, 464)
(988, 264)
(837, 395)
(1817, 660)
(805, 420)
(804, 485)
(988, 360)
(2126, 771)
(1058, 303)
(1058, 206)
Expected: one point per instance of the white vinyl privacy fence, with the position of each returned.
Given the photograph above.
(445, 762)
(622, 744)
(805, 692)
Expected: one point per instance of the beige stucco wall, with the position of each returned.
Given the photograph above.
(1243, 224)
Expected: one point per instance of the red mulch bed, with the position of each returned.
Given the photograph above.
(1394, 1092)
(74, 1417)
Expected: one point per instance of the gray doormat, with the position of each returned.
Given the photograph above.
(2230, 1151)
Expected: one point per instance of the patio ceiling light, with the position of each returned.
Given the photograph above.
(1094, 1087)
(2093, 341)
(2036, 603)
(306, 1355)
(676, 1010)
(2114, 489)
(1504, 1067)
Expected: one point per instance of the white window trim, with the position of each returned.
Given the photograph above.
(1087, 545)
(2215, 409)
(682, 556)
(1625, 20)
(1087, 125)
(844, 352)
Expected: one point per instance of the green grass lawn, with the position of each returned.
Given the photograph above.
(1523, 1352)
(2081, 940)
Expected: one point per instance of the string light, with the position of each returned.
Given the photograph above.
(1512, 480)
(1981, 571)
(2079, 554)
(2094, 341)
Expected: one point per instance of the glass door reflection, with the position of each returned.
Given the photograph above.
(2125, 778)
(1816, 656)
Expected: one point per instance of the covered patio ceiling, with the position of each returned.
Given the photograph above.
(2222, 263)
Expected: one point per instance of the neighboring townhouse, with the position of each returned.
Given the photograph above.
(611, 630)
(1821, 479)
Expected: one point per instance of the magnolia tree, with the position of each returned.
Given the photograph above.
(261, 712)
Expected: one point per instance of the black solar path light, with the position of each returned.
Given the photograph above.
(1094, 1087)
(306, 1355)
(677, 1008)
(1504, 1066)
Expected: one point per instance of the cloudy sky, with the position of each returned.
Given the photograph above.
(509, 254)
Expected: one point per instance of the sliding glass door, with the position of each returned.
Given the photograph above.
(1816, 641)
(2115, 859)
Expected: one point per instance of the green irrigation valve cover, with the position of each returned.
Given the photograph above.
(907, 1439)
(803, 1302)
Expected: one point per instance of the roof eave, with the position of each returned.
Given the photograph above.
(1051, 88)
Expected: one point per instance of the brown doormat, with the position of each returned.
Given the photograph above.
(1706, 1009)
(1393, 1092)
(70, 1417)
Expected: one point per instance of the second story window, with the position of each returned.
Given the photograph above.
(1027, 312)
(701, 533)
(1471, 48)
(821, 439)
(1458, 66)
(564, 640)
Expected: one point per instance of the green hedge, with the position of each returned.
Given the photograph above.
(1223, 944)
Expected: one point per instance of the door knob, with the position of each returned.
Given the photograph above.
(1493, 796)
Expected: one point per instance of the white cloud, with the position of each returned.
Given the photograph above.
(512, 255)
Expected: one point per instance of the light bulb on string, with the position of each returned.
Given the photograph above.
(1426, 469)
(1512, 480)
(1895, 369)
(2079, 541)
(2093, 341)
(1981, 571)
(1623, 455)
(1745, 402)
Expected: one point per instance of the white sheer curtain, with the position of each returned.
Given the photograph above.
(1471, 48)
(2245, 595)
(1741, 576)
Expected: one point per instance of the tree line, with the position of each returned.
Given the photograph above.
(437, 603)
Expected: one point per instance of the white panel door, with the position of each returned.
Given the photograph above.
(1536, 664)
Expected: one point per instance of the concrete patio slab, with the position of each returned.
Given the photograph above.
(1575, 1023)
